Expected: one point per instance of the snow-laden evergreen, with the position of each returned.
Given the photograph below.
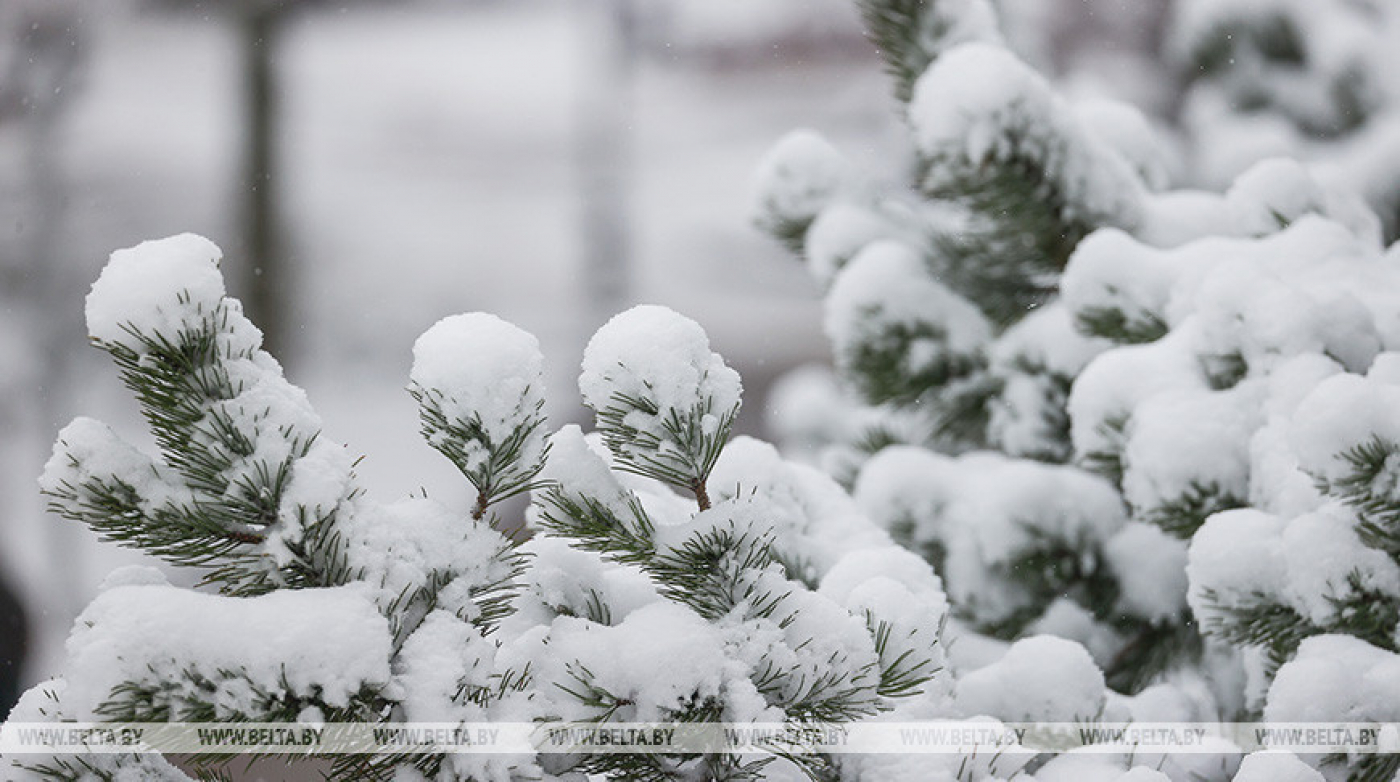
(1190, 393)
(674, 574)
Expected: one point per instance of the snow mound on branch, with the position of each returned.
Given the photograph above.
(660, 659)
(418, 545)
(979, 103)
(653, 353)
(479, 367)
(816, 521)
(796, 179)
(838, 234)
(1343, 412)
(1336, 678)
(1041, 678)
(1150, 567)
(885, 295)
(321, 644)
(157, 287)
(1234, 557)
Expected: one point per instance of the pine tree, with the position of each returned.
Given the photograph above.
(652, 591)
(947, 326)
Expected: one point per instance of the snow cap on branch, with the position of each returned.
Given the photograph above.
(157, 287)
(480, 387)
(665, 402)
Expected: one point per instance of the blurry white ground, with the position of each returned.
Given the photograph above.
(429, 170)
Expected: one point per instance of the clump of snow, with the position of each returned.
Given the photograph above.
(320, 645)
(900, 590)
(1035, 361)
(88, 450)
(980, 513)
(419, 548)
(1186, 444)
(839, 233)
(565, 581)
(807, 411)
(1234, 558)
(575, 469)
(977, 103)
(1150, 569)
(1129, 133)
(1278, 191)
(478, 368)
(1343, 412)
(1041, 678)
(1111, 387)
(658, 660)
(161, 286)
(1329, 566)
(1336, 678)
(796, 179)
(815, 520)
(886, 293)
(1064, 618)
(440, 672)
(902, 489)
(654, 354)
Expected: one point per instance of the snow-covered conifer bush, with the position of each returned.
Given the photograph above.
(1058, 372)
(1259, 427)
(675, 575)
(1256, 427)
(948, 329)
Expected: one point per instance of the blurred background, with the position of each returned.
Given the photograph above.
(371, 167)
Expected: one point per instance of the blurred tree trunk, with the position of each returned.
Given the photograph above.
(267, 280)
(603, 148)
(38, 63)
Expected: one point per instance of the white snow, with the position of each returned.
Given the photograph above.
(1238, 555)
(978, 103)
(1337, 678)
(1150, 568)
(656, 354)
(1323, 554)
(1041, 678)
(1275, 766)
(797, 178)
(839, 233)
(1342, 412)
(161, 287)
(815, 521)
(314, 644)
(414, 544)
(478, 367)
(885, 287)
(1184, 441)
